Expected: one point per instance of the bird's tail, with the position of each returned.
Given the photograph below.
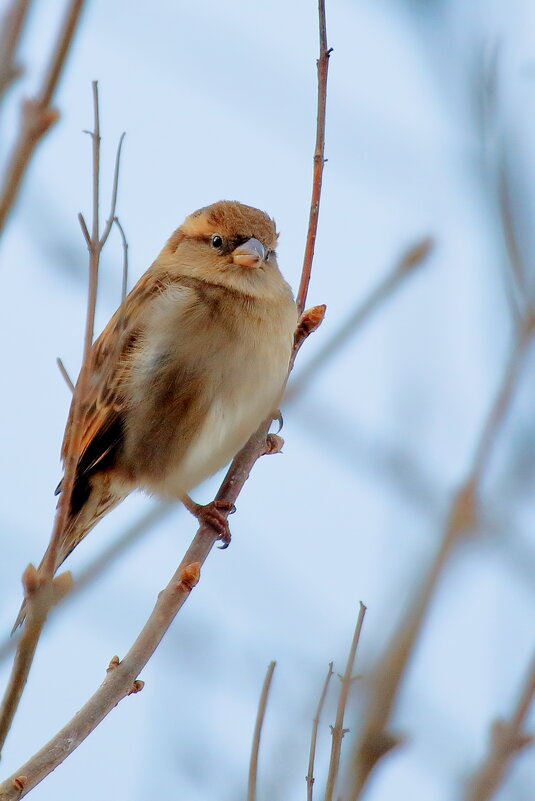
(99, 501)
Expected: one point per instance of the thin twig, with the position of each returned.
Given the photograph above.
(507, 739)
(314, 736)
(112, 218)
(65, 375)
(253, 764)
(375, 739)
(338, 730)
(414, 257)
(319, 159)
(38, 116)
(124, 284)
(10, 33)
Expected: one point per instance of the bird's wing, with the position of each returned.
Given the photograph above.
(105, 403)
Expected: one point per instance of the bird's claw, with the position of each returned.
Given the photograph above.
(215, 515)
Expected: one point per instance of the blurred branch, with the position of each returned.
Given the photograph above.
(507, 740)
(375, 739)
(10, 33)
(253, 764)
(413, 258)
(314, 736)
(38, 116)
(338, 730)
(319, 159)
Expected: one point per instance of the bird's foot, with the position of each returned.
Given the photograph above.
(213, 514)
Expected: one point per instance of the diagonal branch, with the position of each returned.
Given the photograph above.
(38, 116)
(375, 739)
(508, 738)
(414, 257)
(10, 34)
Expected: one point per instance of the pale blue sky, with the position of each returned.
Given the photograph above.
(218, 101)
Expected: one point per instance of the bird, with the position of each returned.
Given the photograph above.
(185, 371)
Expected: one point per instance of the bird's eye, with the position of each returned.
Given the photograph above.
(217, 241)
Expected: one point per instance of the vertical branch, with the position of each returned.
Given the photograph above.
(314, 736)
(319, 159)
(338, 730)
(253, 765)
(38, 116)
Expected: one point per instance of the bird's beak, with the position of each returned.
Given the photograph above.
(251, 254)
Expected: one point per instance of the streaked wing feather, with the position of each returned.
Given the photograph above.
(111, 365)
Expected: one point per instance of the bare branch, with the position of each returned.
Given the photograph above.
(414, 257)
(113, 205)
(375, 739)
(10, 34)
(314, 736)
(121, 680)
(507, 740)
(253, 765)
(39, 601)
(111, 554)
(124, 285)
(319, 160)
(338, 730)
(64, 373)
(37, 114)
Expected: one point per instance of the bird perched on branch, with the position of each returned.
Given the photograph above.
(186, 369)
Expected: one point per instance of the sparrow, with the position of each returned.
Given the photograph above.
(186, 369)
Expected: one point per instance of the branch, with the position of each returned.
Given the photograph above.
(119, 682)
(319, 160)
(10, 33)
(253, 765)
(375, 739)
(508, 738)
(314, 736)
(38, 116)
(413, 258)
(109, 555)
(338, 730)
(45, 589)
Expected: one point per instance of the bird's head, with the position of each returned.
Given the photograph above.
(227, 243)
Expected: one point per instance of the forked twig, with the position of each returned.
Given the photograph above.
(338, 730)
(314, 736)
(45, 589)
(38, 116)
(375, 739)
(507, 739)
(253, 763)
